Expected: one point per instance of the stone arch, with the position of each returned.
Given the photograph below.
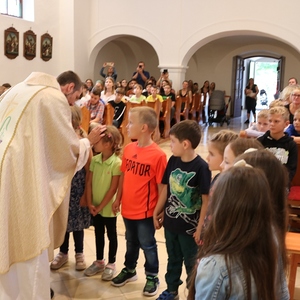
(241, 28)
(126, 39)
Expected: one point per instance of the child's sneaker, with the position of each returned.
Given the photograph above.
(95, 268)
(124, 277)
(80, 263)
(166, 295)
(59, 260)
(151, 286)
(109, 272)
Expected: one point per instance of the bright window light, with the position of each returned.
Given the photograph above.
(11, 8)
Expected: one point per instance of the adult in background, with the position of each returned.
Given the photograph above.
(251, 92)
(111, 70)
(39, 154)
(293, 81)
(294, 102)
(140, 75)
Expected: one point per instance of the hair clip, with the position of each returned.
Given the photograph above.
(108, 135)
(242, 163)
(250, 150)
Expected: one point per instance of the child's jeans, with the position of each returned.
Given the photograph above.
(140, 234)
(181, 248)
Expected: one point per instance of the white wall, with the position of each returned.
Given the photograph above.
(165, 34)
(177, 30)
(15, 70)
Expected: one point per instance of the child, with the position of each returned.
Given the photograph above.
(216, 147)
(168, 94)
(147, 91)
(235, 148)
(79, 216)
(143, 166)
(278, 142)
(108, 94)
(95, 106)
(277, 177)
(182, 202)
(137, 97)
(276, 102)
(85, 96)
(294, 129)
(119, 107)
(154, 96)
(102, 185)
(260, 127)
(241, 244)
(130, 88)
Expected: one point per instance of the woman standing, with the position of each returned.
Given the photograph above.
(251, 92)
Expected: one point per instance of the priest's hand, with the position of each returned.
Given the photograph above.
(96, 134)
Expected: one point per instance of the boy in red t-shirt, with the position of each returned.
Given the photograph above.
(143, 166)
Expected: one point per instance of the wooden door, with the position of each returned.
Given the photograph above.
(237, 89)
(280, 71)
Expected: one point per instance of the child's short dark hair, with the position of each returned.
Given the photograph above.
(187, 130)
(120, 91)
(96, 91)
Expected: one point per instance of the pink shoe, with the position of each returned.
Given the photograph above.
(59, 260)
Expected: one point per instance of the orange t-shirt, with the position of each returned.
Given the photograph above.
(143, 169)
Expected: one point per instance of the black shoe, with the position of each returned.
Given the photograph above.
(246, 122)
(51, 293)
(124, 277)
(151, 286)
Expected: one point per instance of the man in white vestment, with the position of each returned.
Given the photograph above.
(39, 154)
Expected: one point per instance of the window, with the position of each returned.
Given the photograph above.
(11, 8)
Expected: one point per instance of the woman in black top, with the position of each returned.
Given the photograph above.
(251, 92)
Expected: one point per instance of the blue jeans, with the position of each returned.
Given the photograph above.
(140, 234)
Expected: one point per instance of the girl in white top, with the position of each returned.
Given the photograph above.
(109, 90)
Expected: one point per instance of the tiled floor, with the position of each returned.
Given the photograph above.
(70, 284)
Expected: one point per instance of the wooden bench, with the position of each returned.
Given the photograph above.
(108, 114)
(157, 107)
(294, 197)
(292, 242)
(181, 108)
(195, 112)
(85, 119)
(165, 116)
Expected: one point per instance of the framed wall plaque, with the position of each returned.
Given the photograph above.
(29, 45)
(46, 47)
(11, 43)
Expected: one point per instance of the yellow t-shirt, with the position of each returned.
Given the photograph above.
(158, 97)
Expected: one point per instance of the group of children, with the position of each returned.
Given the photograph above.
(96, 99)
(235, 224)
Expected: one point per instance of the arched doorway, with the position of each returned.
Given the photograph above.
(216, 61)
(126, 51)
